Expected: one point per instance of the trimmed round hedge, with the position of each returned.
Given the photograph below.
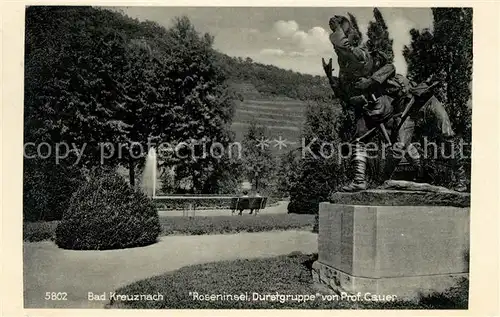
(106, 213)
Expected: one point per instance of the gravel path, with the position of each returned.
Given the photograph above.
(50, 269)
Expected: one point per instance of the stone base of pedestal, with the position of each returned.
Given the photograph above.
(405, 251)
(332, 280)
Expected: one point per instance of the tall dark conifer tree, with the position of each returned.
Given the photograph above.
(378, 36)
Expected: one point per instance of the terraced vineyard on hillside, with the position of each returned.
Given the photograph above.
(282, 118)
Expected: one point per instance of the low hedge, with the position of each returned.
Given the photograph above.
(214, 203)
(39, 231)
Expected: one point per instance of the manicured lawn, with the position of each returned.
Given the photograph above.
(285, 274)
(233, 224)
(39, 231)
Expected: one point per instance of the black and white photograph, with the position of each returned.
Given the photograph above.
(247, 157)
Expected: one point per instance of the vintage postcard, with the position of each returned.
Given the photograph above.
(190, 157)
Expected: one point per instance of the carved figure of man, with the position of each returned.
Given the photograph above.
(364, 75)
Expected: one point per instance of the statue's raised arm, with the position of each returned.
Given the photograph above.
(334, 81)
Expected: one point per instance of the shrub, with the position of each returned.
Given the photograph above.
(320, 170)
(106, 213)
(318, 178)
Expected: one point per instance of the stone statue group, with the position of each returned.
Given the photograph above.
(383, 101)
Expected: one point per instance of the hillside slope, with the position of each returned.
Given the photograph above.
(272, 97)
(281, 116)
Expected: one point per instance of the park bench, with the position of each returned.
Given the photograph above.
(252, 203)
(189, 203)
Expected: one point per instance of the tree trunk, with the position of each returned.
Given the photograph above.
(131, 171)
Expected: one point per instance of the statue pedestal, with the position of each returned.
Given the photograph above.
(390, 249)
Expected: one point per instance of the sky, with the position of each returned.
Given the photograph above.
(290, 38)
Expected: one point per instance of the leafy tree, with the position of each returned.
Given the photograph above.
(69, 100)
(97, 84)
(288, 172)
(322, 168)
(378, 36)
(143, 85)
(226, 177)
(202, 105)
(95, 77)
(69, 91)
(446, 54)
(258, 162)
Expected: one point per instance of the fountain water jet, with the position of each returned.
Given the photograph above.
(149, 174)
